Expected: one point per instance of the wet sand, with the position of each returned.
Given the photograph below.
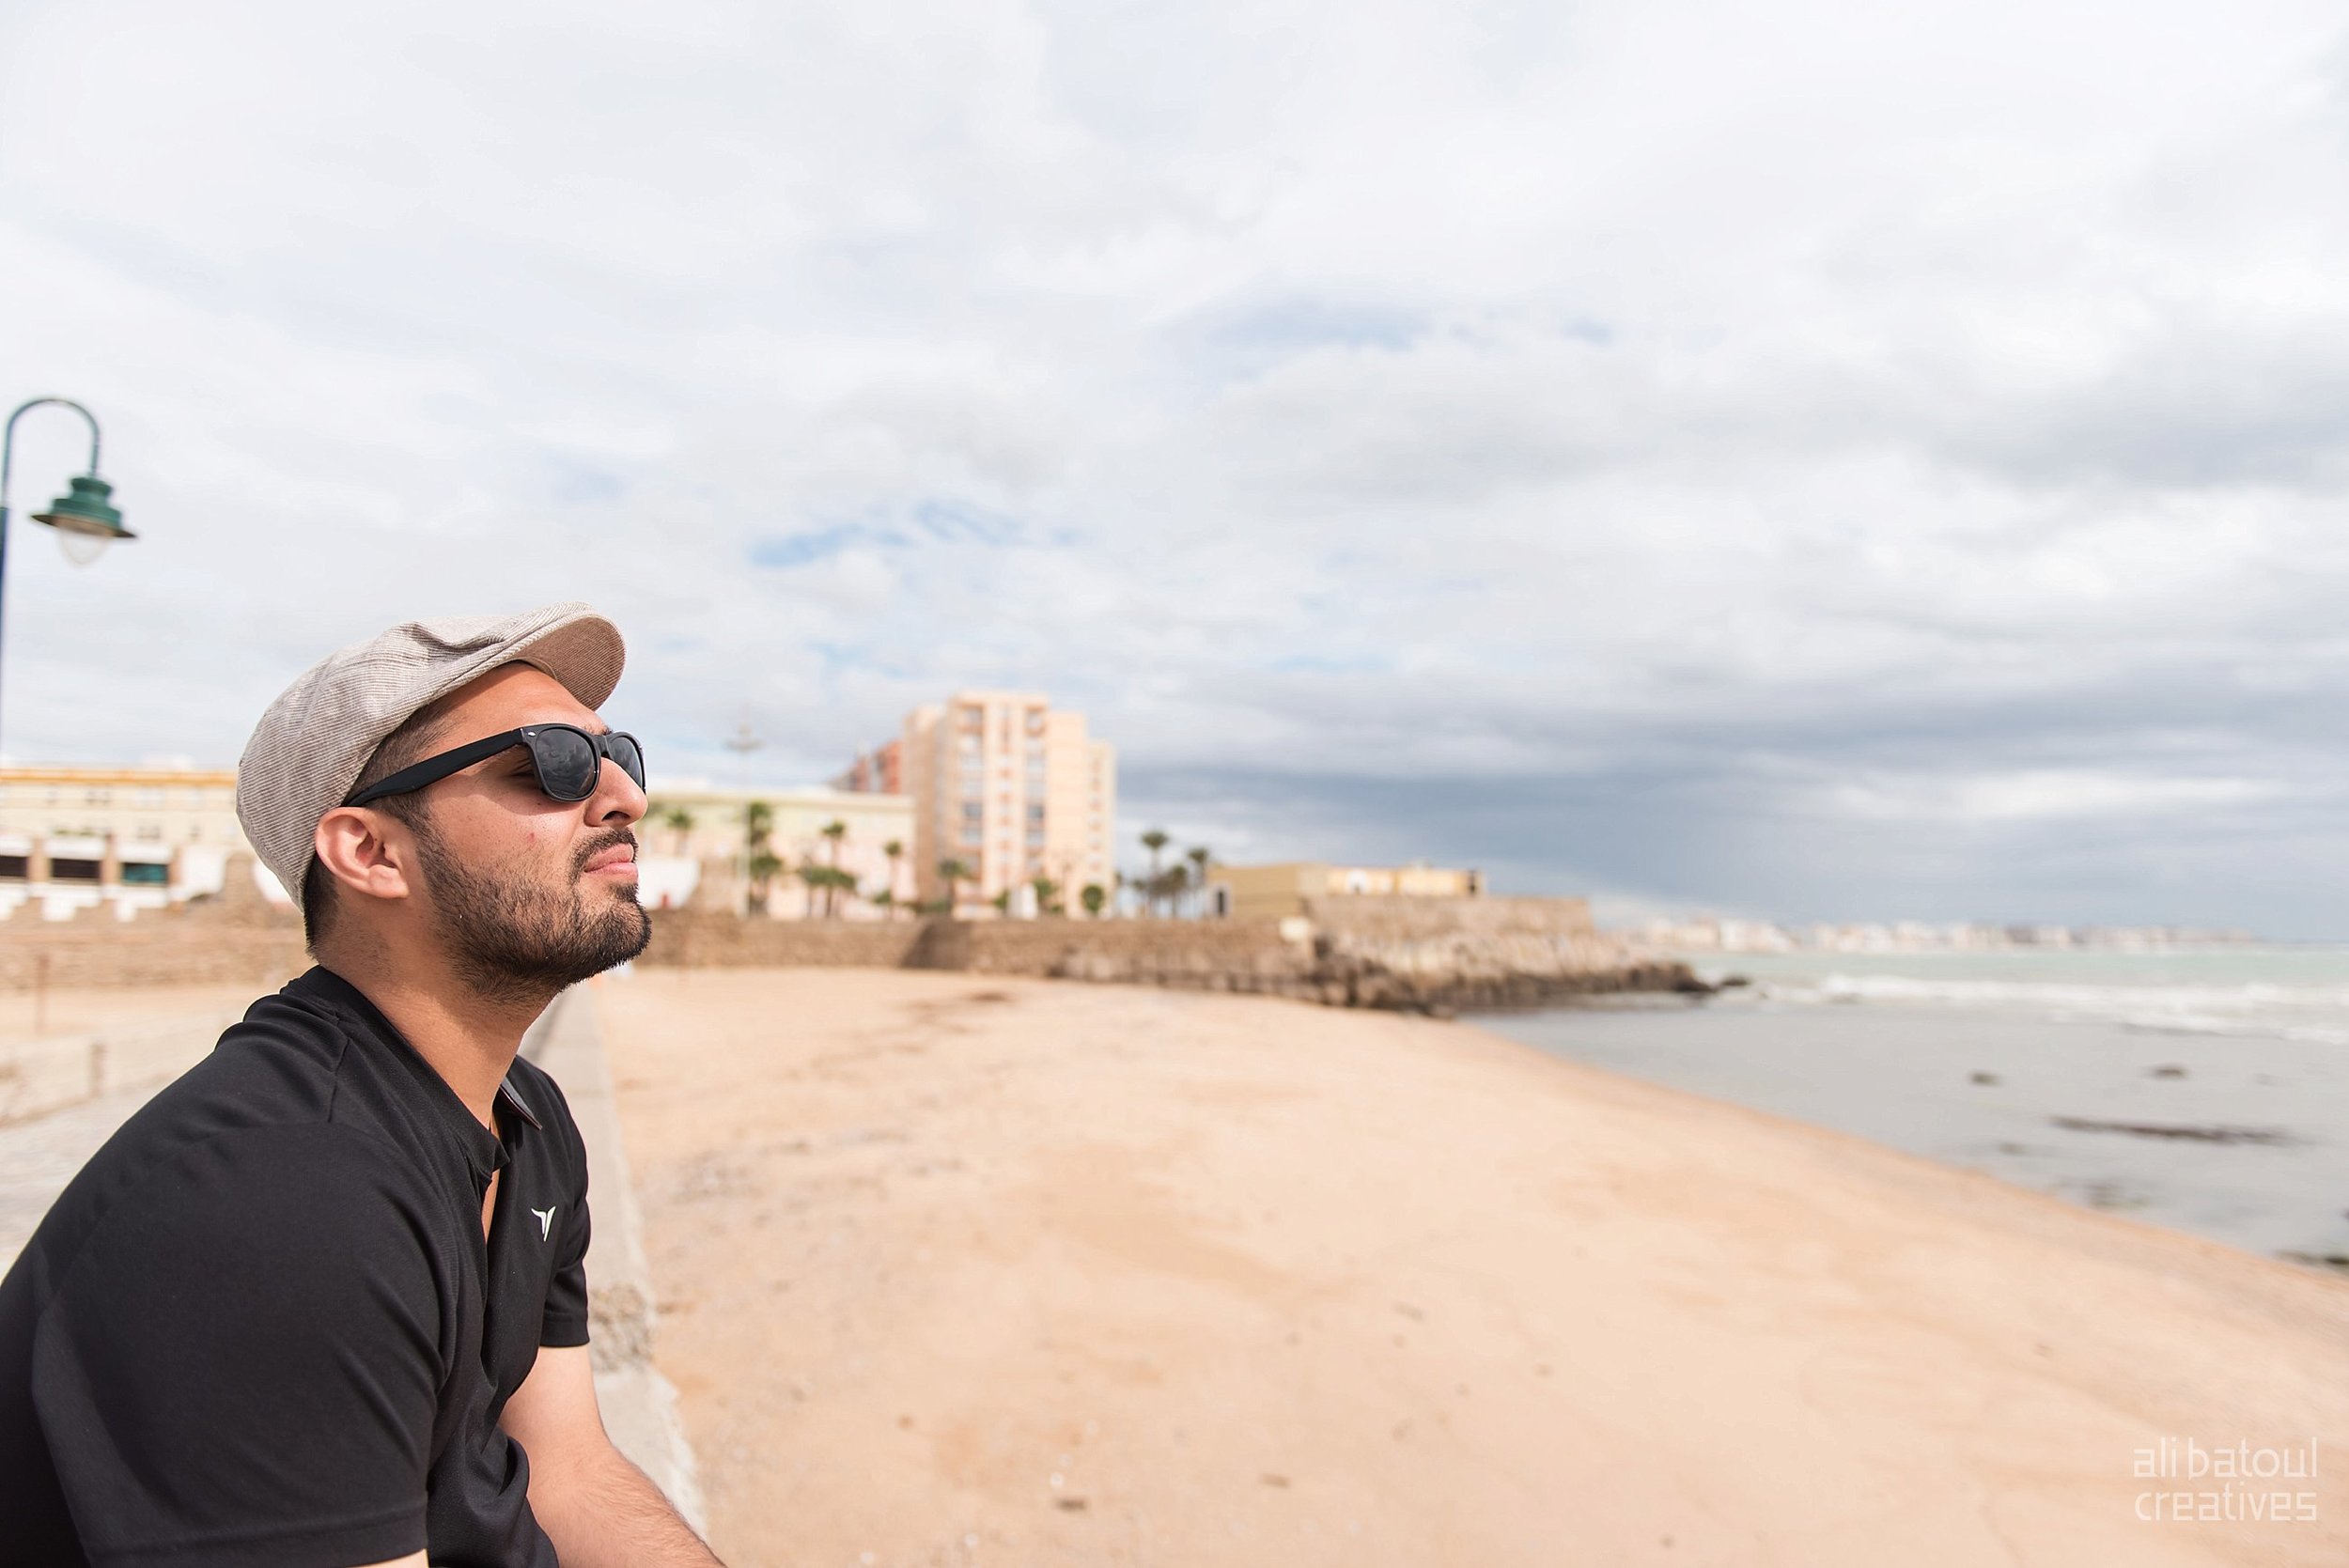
(956, 1270)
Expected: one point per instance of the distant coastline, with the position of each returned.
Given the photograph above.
(1703, 934)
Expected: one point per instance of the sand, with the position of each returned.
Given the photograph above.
(80, 1010)
(956, 1270)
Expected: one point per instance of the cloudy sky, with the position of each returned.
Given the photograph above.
(1819, 461)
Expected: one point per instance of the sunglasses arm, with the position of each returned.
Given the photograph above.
(433, 769)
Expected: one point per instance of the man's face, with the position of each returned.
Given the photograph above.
(529, 894)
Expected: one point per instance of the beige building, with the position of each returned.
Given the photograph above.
(691, 843)
(130, 838)
(1015, 789)
(1278, 891)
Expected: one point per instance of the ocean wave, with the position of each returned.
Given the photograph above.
(2315, 1014)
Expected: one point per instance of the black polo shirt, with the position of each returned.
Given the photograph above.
(261, 1326)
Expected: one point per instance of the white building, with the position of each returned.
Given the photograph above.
(126, 838)
(695, 834)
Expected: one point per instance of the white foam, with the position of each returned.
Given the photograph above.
(2314, 1013)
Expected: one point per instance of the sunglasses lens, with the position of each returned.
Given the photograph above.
(625, 751)
(568, 764)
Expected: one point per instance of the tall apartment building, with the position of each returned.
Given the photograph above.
(1015, 789)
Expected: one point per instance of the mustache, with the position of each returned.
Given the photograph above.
(597, 845)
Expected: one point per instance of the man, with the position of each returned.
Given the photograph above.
(321, 1302)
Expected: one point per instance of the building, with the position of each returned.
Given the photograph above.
(1289, 888)
(876, 772)
(692, 841)
(1015, 790)
(129, 838)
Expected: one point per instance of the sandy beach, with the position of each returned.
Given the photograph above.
(79, 1009)
(965, 1271)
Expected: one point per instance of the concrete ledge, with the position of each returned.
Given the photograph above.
(639, 1404)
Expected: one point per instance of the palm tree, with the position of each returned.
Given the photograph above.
(892, 849)
(833, 830)
(1092, 899)
(1199, 857)
(761, 868)
(1045, 891)
(1154, 840)
(680, 822)
(759, 863)
(953, 873)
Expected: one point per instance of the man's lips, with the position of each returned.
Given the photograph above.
(619, 858)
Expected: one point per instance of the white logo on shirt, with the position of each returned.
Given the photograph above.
(546, 1220)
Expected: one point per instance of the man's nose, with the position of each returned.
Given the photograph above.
(618, 798)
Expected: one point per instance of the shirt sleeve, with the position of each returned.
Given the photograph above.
(564, 1322)
(243, 1365)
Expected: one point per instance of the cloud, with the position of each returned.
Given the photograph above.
(1832, 463)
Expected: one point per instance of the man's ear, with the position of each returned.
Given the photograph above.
(368, 852)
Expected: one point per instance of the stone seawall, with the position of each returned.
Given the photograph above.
(1382, 961)
(236, 937)
(1419, 955)
(169, 948)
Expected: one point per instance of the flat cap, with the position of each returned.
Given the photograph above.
(309, 747)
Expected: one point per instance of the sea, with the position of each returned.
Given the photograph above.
(2202, 1089)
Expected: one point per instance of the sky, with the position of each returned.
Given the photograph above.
(1815, 461)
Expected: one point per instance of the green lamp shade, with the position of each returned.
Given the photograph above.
(87, 508)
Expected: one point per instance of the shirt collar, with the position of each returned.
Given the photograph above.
(484, 1150)
(513, 1096)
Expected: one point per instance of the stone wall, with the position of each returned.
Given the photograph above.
(235, 936)
(1382, 961)
(1425, 953)
(717, 938)
(166, 948)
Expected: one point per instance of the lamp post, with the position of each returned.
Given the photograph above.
(84, 516)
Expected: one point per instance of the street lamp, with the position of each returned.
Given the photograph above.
(85, 517)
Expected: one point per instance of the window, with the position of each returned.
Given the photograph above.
(15, 868)
(144, 873)
(150, 798)
(73, 871)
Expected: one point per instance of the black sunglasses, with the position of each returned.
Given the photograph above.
(569, 761)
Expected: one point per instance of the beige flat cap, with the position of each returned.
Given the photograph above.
(307, 751)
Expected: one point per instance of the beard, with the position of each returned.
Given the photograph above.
(516, 938)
